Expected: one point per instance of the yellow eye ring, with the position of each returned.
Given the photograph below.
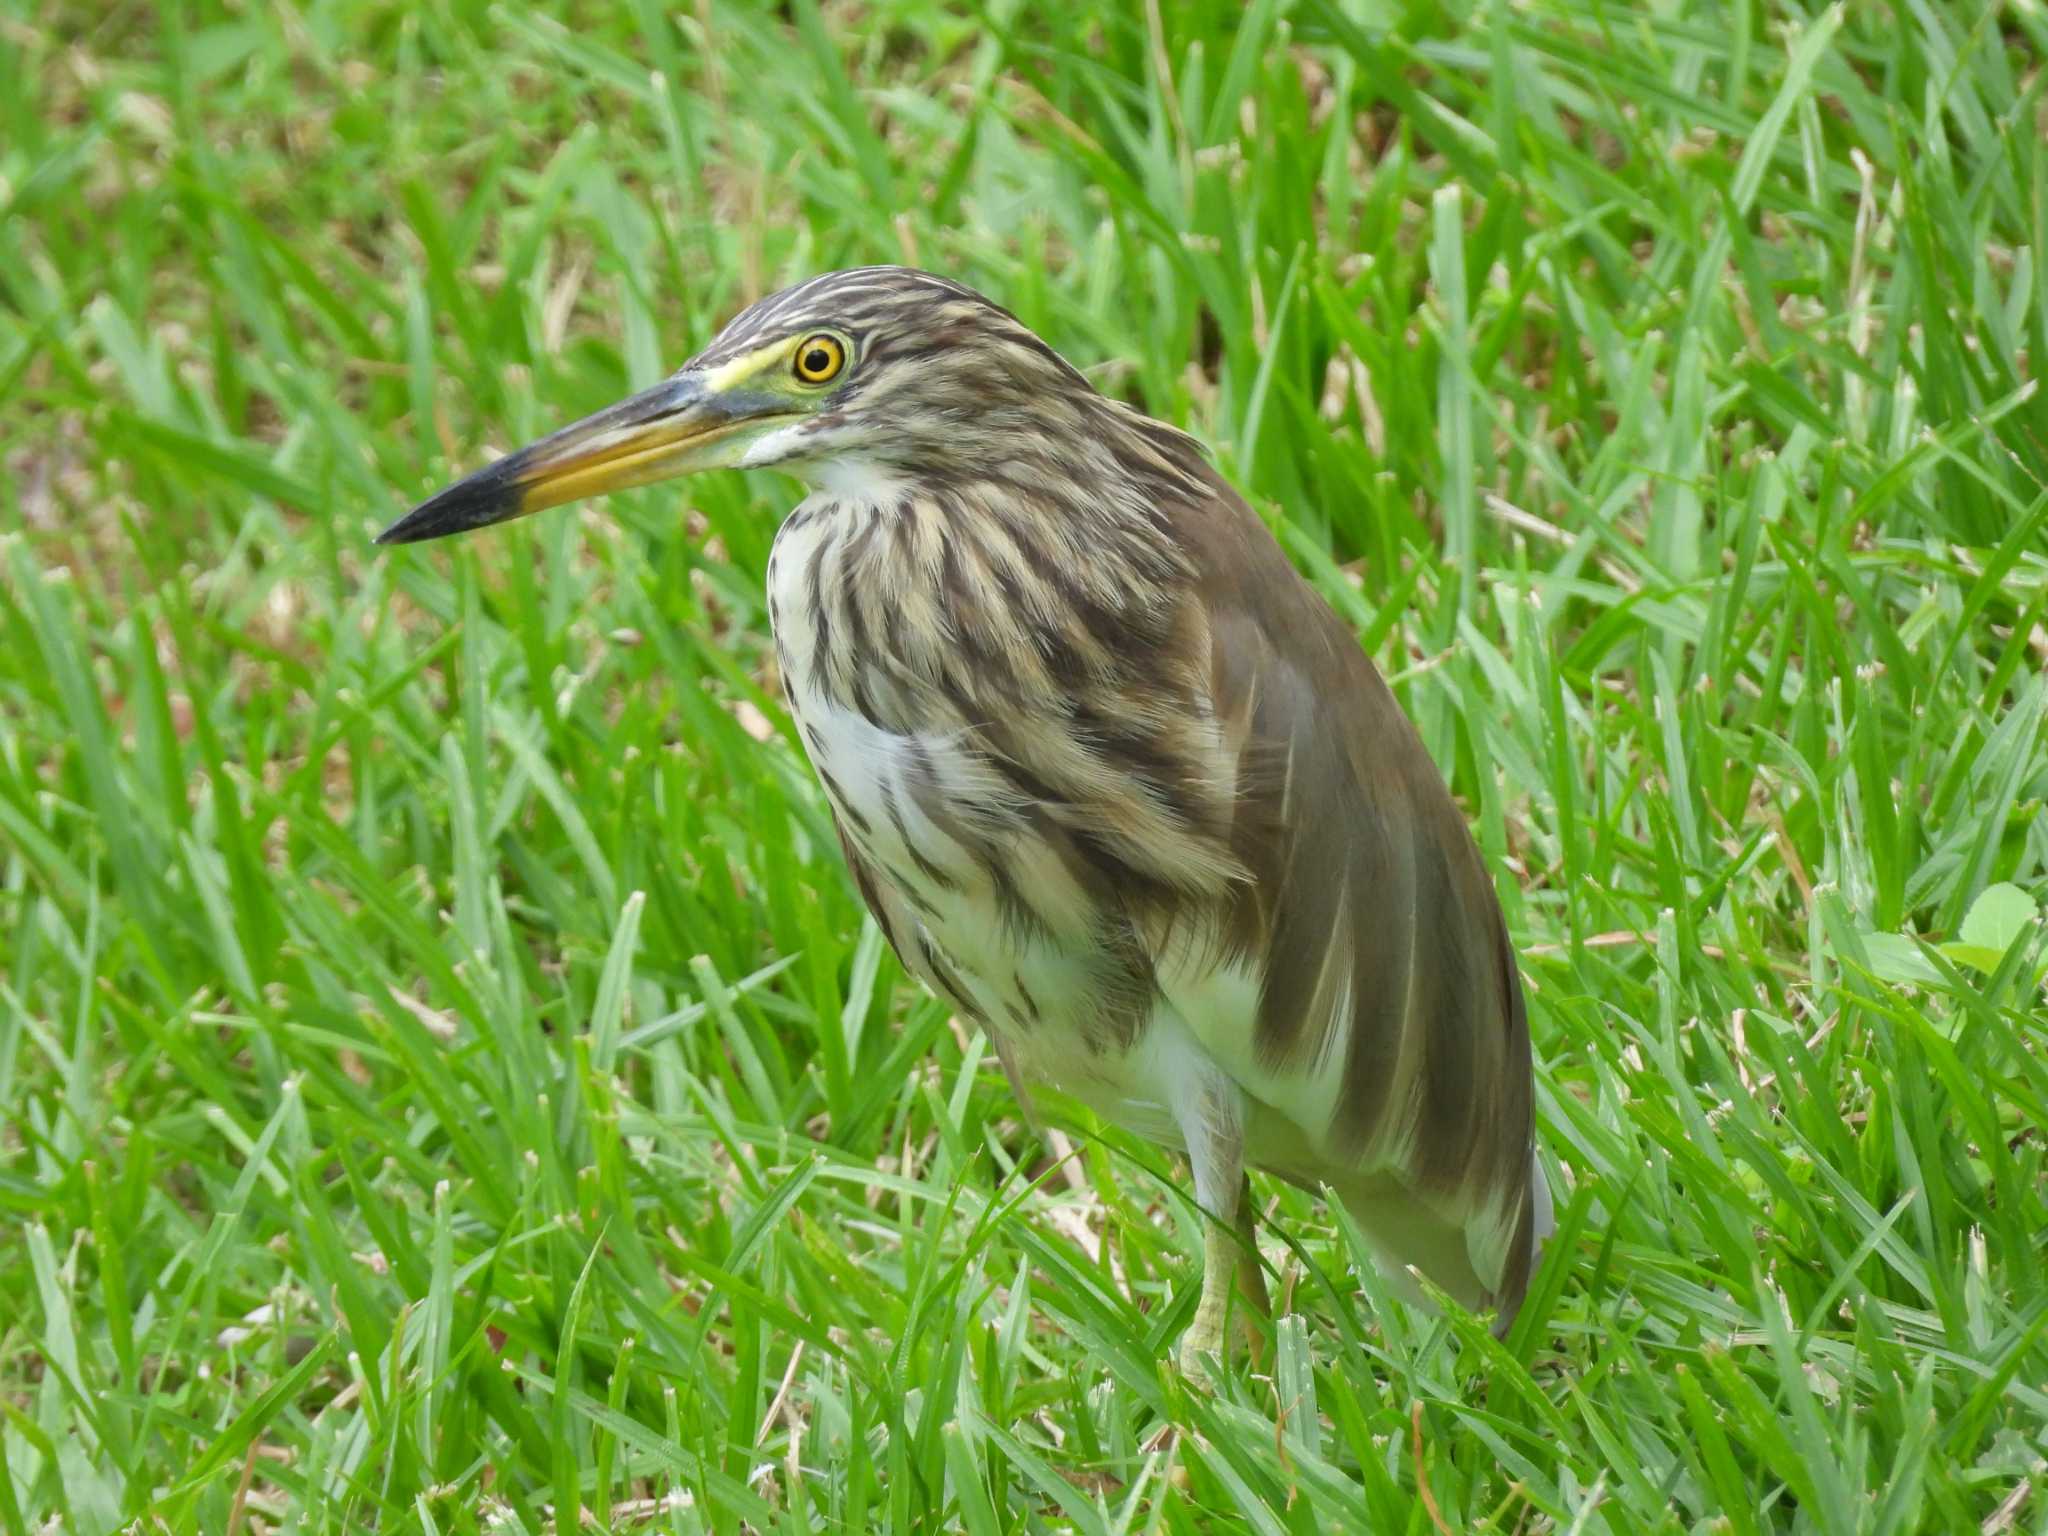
(819, 359)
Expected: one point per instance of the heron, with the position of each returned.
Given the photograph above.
(1113, 779)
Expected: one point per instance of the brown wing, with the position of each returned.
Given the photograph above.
(1369, 917)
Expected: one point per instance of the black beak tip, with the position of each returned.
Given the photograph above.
(489, 496)
(398, 532)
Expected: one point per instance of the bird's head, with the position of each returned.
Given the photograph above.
(869, 373)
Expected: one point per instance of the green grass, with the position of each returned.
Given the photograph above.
(447, 1082)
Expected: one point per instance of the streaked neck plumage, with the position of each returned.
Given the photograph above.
(983, 586)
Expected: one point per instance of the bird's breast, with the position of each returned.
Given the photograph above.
(974, 895)
(972, 899)
(853, 602)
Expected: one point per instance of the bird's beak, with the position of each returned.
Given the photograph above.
(679, 425)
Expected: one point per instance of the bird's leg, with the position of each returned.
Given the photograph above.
(1210, 1110)
(1204, 1336)
(1251, 1277)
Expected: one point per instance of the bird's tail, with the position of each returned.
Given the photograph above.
(1404, 1233)
(1538, 1224)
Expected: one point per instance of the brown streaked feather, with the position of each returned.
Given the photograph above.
(1331, 861)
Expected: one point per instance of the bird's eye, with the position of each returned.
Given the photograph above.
(819, 359)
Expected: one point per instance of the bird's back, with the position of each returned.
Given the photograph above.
(1389, 1018)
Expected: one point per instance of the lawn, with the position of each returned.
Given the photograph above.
(447, 1080)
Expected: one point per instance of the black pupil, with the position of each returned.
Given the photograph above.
(817, 360)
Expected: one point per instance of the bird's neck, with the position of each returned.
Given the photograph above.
(919, 597)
